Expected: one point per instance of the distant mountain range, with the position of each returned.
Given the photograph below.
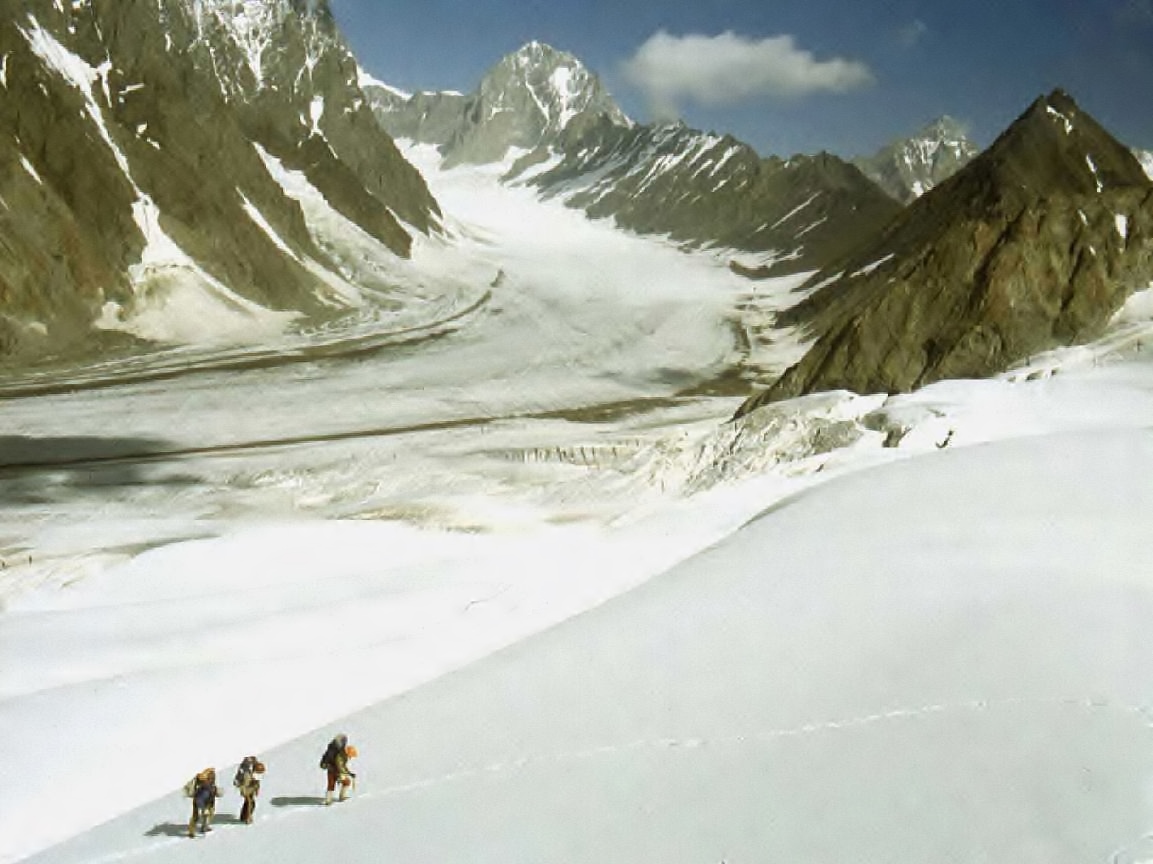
(165, 161)
(545, 111)
(1034, 243)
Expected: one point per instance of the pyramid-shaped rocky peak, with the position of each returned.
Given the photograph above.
(538, 54)
(1056, 147)
(1034, 244)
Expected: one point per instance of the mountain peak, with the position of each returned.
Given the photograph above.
(549, 83)
(910, 167)
(526, 101)
(945, 127)
(1035, 243)
(1054, 145)
(536, 51)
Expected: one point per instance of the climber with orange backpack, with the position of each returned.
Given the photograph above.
(335, 762)
(247, 782)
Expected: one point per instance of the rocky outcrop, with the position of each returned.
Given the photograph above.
(910, 167)
(135, 139)
(1035, 244)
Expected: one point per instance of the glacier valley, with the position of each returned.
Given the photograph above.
(499, 527)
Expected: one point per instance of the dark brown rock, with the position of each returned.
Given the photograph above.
(1035, 244)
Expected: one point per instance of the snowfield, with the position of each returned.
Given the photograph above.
(563, 608)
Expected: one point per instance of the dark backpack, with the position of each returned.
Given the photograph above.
(329, 756)
(204, 794)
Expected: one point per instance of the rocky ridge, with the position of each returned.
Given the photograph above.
(1034, 244)
(703, 189)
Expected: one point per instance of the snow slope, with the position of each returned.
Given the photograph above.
(930, 651)
(945, 658)
(209, 527)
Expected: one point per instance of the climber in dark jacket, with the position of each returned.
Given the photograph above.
(203, 791)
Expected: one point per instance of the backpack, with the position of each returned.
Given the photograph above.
(247, 771)
(204, 794)
(247, 781)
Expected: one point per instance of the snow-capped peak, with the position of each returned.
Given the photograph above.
(558, 85)
(529, 101)
(910, 167)
(943, 134)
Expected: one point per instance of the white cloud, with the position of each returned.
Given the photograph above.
(725, 69)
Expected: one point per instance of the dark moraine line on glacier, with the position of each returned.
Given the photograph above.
(119, 452)
(360, 346)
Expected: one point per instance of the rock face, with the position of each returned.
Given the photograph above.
(696, 187)
(1036, 243)
(136, 138)
(910, 167)
(526, 101)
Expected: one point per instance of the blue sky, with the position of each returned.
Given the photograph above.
(791, 76)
